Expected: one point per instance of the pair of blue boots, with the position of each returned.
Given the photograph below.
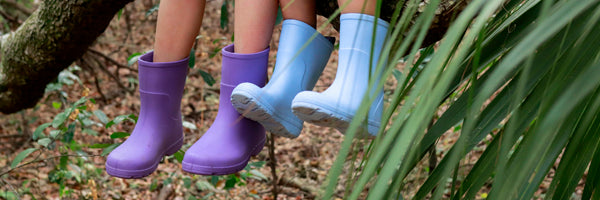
(286, 100)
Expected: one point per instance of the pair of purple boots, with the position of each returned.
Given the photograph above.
(232, 139)
(227, 145)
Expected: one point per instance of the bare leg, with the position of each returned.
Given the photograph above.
(178, 25)
(358, 6)
(303, 10)
(253, 27)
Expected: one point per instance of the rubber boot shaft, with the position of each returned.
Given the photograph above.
(159, 130)
(232, 139)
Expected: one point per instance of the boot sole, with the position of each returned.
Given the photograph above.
(252, 108)
(322, 116)
(221, 170)
(140, 173)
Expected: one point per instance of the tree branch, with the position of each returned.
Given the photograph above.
(55, 35)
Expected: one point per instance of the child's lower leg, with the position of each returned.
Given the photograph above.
(302, 10)
(359, 6)
(253, 27)
(177, 27)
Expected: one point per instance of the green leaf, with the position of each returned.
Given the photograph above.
(54, 133)
(101, 116)
(56, 105)
(80, 101)
(203, 185)
(207, 77)
(119, 119)
(108, 149)
(230, 182)
(154, 184)
(192, 60)
(100, 145)
(44, 142)
(22, 156)
(133, 58)
(224, 15)
(179, 156)
(258, 175)
(119, 14)
(116, 135)
(60, 118)
(68, 136)
(90, 132)
(279, 18)
(8, 195)
(214, 180)
(187, 182)
(38, 133)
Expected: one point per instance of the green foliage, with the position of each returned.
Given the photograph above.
(224, 15)
(523, 73)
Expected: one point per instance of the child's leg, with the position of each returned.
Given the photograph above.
(158, 131)
(300, 61)
(254, 21)
(176, 29)
(227, 145)
(358, 6)
(336, 106)
(302, 10)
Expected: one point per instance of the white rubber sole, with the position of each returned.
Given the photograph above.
(324, 116)
(253, 108)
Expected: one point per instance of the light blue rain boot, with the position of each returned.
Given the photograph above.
(336, 106)
(297, 69)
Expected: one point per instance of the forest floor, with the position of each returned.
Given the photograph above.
(302, 164)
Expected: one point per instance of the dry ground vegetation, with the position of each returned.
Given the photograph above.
(301, 164)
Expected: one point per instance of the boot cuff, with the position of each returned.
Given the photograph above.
(228, 51)
(364, 17)
(147, 60)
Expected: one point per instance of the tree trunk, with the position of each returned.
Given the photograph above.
(60, 31)
(55, 35)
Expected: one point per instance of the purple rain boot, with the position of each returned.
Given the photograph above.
(158, 131)
(232, 139)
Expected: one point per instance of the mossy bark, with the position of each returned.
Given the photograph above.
(55, 35)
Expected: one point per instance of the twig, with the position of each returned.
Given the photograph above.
(109, 59)
(45, 159)
(295, 183)
(11, 19)
(165, 192)
(18, 6)
(12, 188)
(24, 123)
(273, 165)
(13, 135)
(115, 78)
(84, 63)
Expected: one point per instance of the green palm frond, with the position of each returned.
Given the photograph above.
(525, 74)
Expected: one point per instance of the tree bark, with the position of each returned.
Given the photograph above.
(55, 35)
(60, 31)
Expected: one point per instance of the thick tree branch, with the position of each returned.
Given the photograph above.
(54, 36)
